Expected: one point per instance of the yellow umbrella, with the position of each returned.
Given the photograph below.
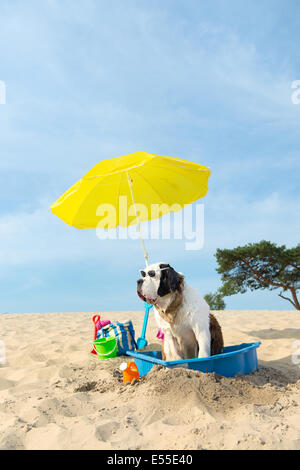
(152, 184)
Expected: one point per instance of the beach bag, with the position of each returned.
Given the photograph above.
(125, 334)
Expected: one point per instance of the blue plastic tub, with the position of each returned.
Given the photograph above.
(235, 360)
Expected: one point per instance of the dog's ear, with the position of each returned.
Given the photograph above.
(170, 280)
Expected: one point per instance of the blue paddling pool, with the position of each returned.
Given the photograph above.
(234, 361)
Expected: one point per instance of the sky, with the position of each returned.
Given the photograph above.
(209, 82)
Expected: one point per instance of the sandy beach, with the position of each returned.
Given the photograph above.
(54, 394)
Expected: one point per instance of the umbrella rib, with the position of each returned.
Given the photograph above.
(148, 182)
(82, 202)
(122, 174)
(75, 215)
(68, 195)
(142, 164)
(174, 171)
(181, 166)
(114, 172)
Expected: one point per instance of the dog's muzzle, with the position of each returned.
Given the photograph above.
(139, 288)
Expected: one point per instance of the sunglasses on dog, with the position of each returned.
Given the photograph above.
(152, 272)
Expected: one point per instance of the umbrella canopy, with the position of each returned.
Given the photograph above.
(153, 184)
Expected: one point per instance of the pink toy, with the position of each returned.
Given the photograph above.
(160, 335)
(101, 323)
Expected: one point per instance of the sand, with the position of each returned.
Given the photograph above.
(54, 394)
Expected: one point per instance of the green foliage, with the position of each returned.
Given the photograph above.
(215, 301)
(262, 265)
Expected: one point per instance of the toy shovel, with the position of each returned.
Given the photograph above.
(141, 341)
(96, 318)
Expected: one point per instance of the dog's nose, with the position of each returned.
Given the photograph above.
(140, 282)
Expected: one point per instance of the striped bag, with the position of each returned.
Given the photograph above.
(124, 333)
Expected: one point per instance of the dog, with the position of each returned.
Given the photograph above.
(190, 330)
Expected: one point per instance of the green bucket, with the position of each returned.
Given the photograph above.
(106, 347)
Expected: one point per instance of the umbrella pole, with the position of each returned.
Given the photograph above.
(138, 220)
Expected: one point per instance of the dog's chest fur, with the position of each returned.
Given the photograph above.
(182, 313)
(172, 313)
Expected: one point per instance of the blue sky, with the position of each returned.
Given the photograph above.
(204, 81)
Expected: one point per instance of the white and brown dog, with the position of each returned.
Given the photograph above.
(190, 330)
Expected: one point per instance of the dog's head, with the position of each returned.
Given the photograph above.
(157, 281)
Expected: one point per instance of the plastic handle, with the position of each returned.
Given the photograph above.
(99, 354)
(148, 306)
(96, 318)
(147, 310)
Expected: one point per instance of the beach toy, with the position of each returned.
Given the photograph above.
(96, 318)
(234, 361)
(98, 325)
(102, 323)
(141, 341)
(106, 347)
(130, 372)
(160, 335)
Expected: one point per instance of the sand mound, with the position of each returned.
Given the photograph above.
(181, 388)
(202, 405)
